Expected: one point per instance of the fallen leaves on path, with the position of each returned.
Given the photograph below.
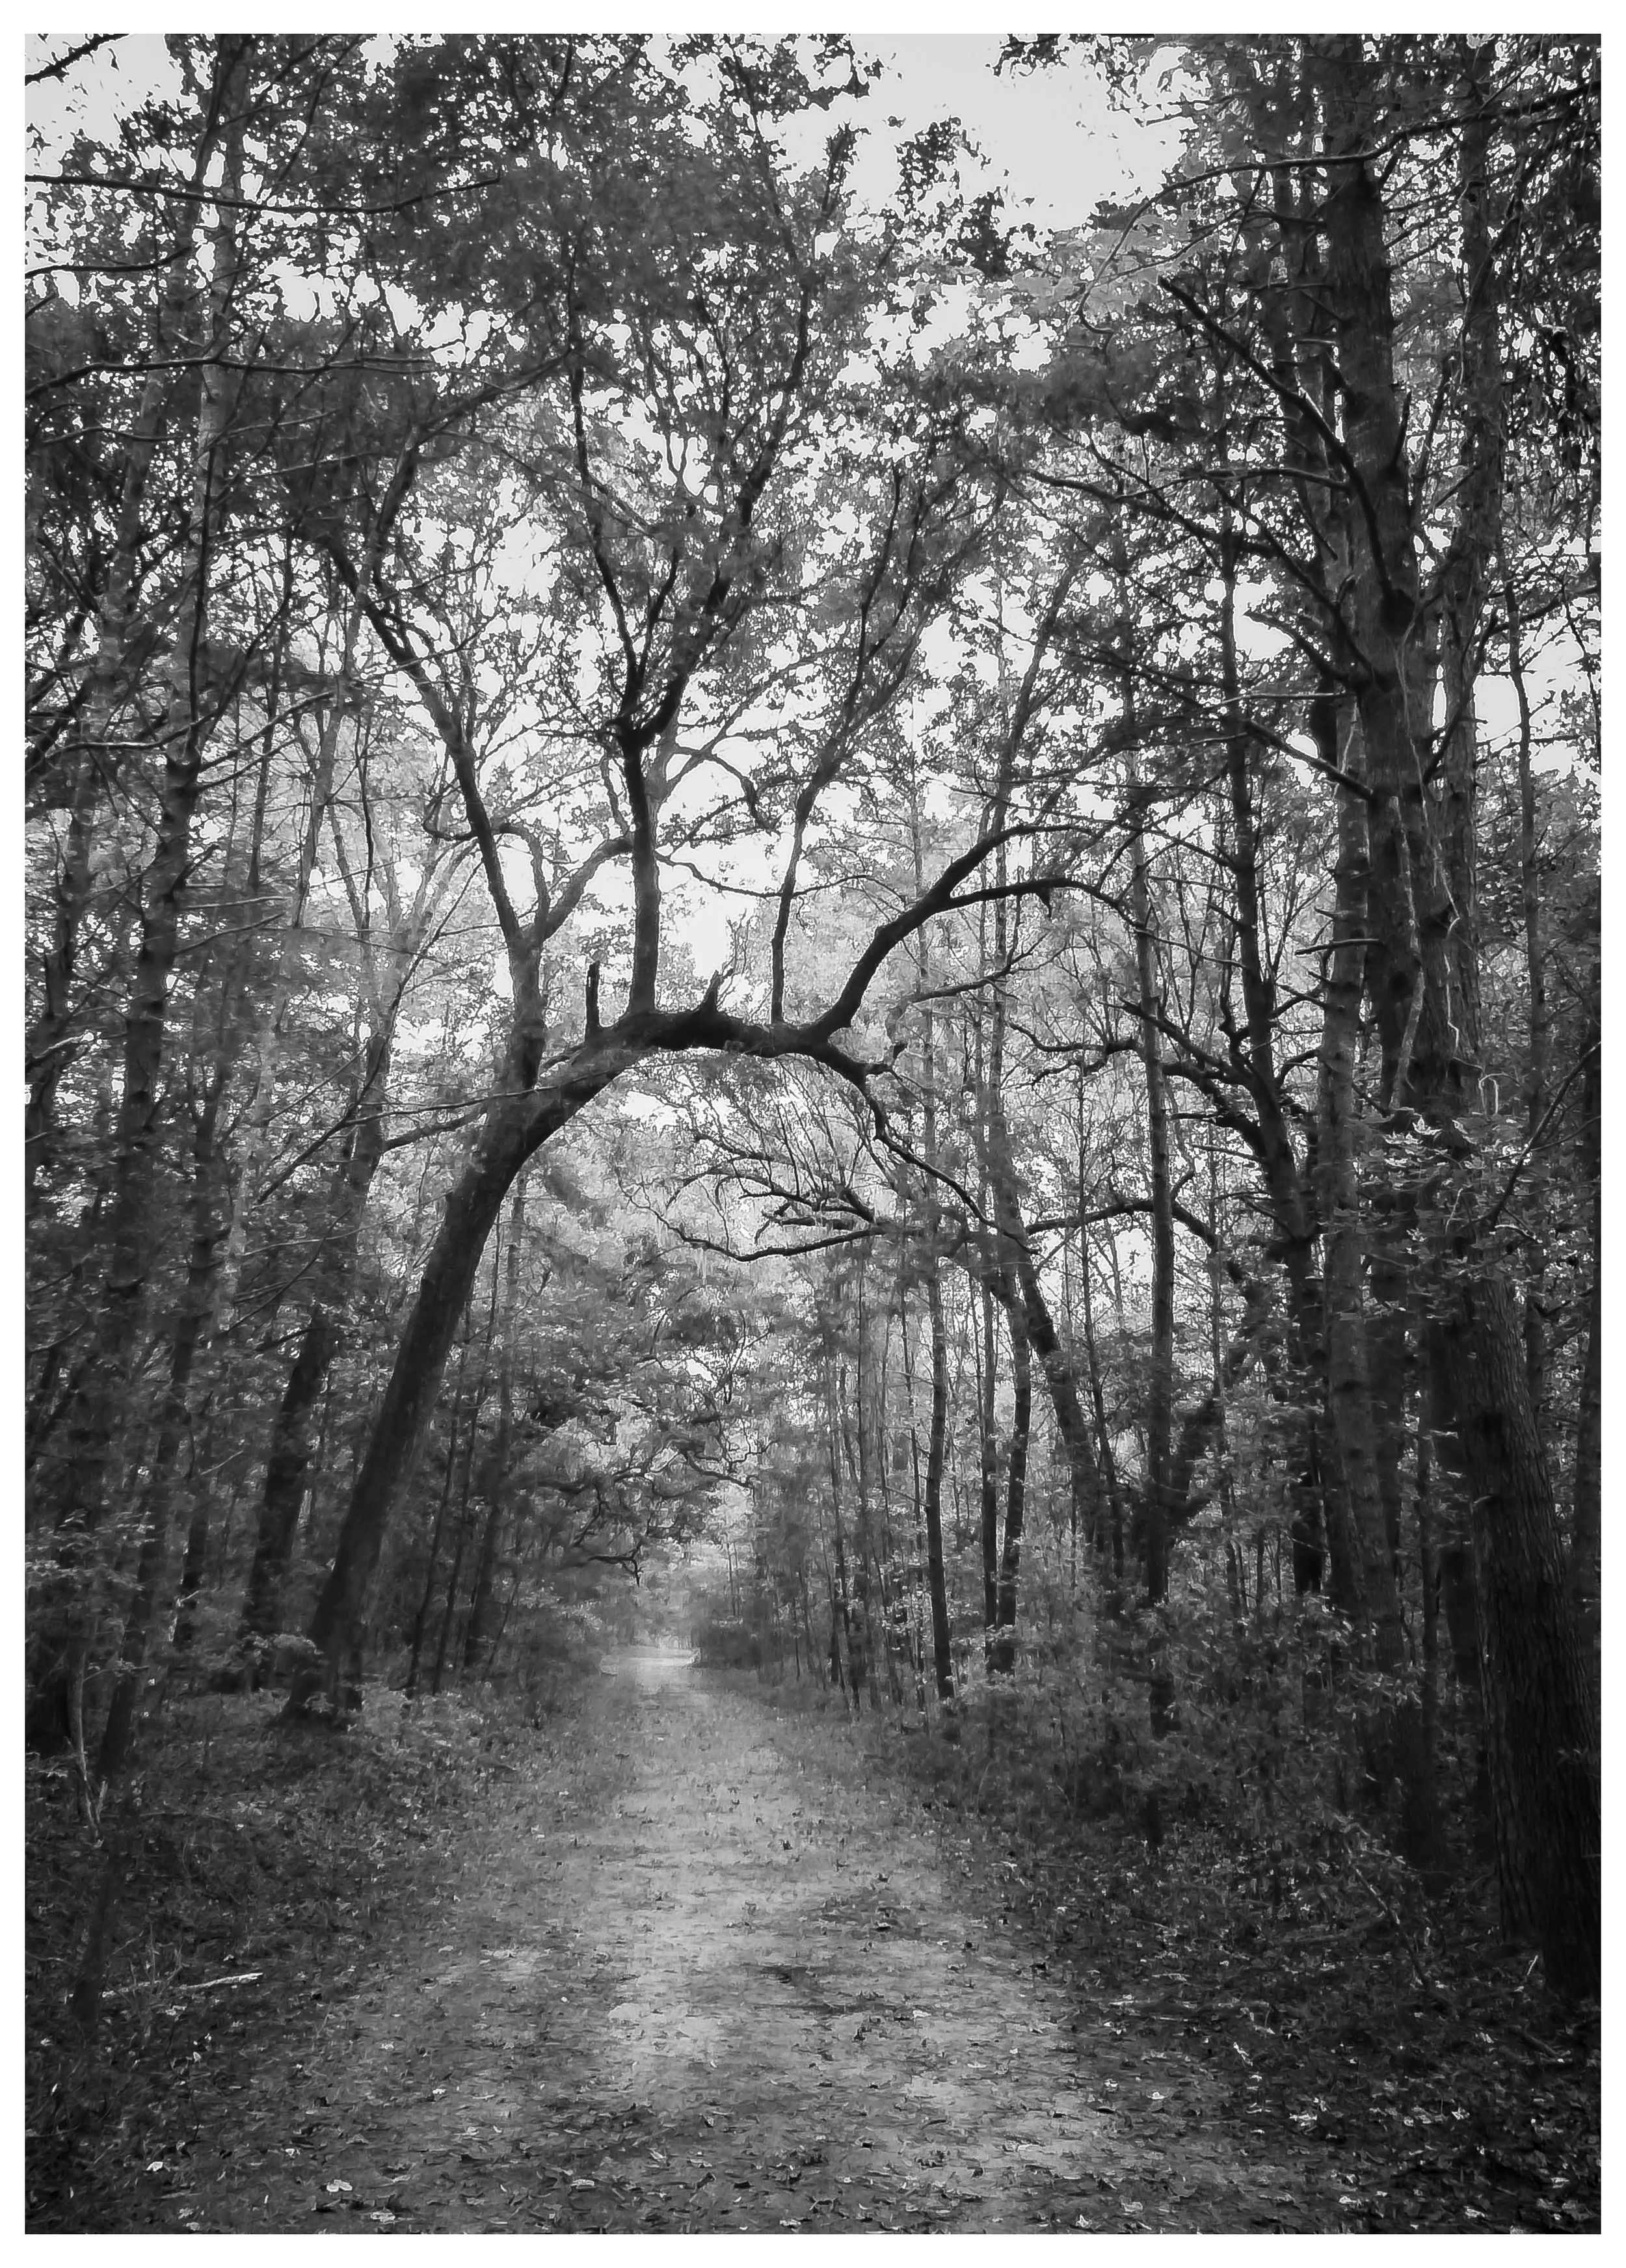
(688, 1962)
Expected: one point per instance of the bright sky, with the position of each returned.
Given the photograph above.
(1049, 133)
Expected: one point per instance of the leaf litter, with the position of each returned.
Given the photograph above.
(695, 2012)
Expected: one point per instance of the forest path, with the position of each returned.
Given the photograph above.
(703, 1977)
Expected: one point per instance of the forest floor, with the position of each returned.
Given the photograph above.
(680, 1959)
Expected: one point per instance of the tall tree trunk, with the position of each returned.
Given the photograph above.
(937, 1583)
(50, 1043)
(1002, 1657)
(1535, 979)
(1428, 1564)
(1362, 1578)
(66, 1610)
(1160, 1395)
(863, 1617)
(438, 1671)
(1030, 1311)
(483, 1605)
(516, 1125)
(420, 1621)
(937, 1439)
(1108, 1463)
(1586, 1536)
(1289, 1186)
(192, 1570)
(289, 1452)
(1540, 1710)
(286, 1465)
(1001, 1268)
(987, 1037)
(442, 1659)
(191, 1330)
(1232, 1359)
(988, 1529)
(255, 1131)
(855, 1666)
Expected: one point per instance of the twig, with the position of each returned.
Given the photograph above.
(86, 1795)
(1428, 1983)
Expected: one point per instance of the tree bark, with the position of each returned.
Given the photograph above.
(515, 1127)
(191, 1329)
(1160, 1394)
(1039, 1328)
(63, 1618)
(988, 1467)
(1002, 1659)
(1535, 977)
(1363, 1579)
(289, 1452)
(854, 1668)
(287, 1462)
(1540, 1710)
(936, 1438)
(1206, 1417)
(49, 1041)
(1290, 1187)
(937, 1583)
(1585, 1535)
(1108, 1463)
(438, 1670)
(483, 1605)
(420, 1621)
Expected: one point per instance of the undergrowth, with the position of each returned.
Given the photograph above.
(1207, 1889)
(263, 1868)
(1210, 1888)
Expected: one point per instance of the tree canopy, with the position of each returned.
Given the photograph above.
(715, 868)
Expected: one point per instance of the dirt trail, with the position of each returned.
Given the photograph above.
(703, 1977)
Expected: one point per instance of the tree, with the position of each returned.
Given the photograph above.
(1305, 312)
(666, 600)
(707, 864)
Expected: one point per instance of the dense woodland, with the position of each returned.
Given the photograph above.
(890, 915)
